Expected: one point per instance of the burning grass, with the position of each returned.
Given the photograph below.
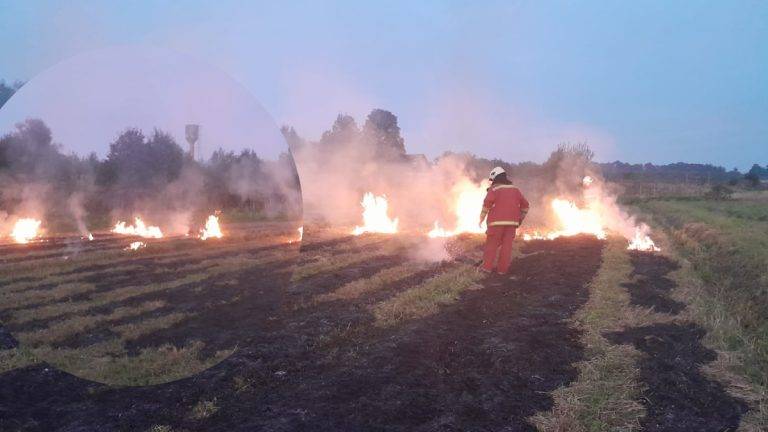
(139, 228)
(25, 230)
(376, 216)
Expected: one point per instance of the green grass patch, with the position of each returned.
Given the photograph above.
(727, 245)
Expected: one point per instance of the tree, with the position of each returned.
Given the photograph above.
(343, 132)
(29, 150)
(381, 131)
(752, 179)
(758, 171)
(719, 192)
(292, 138)
(135, 162)
(167, 156)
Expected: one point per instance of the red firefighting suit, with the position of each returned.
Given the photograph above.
(506, 208)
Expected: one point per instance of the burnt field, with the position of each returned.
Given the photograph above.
(349, 333)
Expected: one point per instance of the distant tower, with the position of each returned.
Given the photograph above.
(193, 135)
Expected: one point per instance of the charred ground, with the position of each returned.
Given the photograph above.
(361, 337)
(484, 353)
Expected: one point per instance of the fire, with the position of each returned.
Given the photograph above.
(212, 228)
(136, 245)
(587, 181)
(575, 220)
(641, 241)
(90, 237)
(590, 220)
(25, 230)
(300, 230)
(139, 229)
(466, 208)
(535, 235)
(438, 231)
(375, 216)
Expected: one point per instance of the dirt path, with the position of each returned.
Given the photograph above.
(678, 395)
(486, 362)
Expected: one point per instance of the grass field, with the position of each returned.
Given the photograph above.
(727, 244)
(107, 314)
(356, 333)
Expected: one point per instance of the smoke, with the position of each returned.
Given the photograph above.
(432, 250)
(335, 179)
(76, 208)
(148, 178)
(348, 161)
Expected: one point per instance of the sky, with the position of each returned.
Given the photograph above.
(651, 81)
(144, 87)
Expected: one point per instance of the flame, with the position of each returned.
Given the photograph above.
(90, 237)
(587, 181)
(535, 235)
(136, 245)
(590, 220)
(25, 230)
(575, 220)
(375, 217)
(466, 208)
(212, 228)
(301, 232)
(438, 231)
(641, 241)
(139, 229)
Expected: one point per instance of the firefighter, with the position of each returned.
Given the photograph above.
(506, 208)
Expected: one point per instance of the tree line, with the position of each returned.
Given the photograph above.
(139, 171)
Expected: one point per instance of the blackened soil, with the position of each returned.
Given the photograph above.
(485, 362)
(6, 340)
(651, 287)
(678, 397)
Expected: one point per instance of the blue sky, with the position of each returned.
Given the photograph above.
(654, 81)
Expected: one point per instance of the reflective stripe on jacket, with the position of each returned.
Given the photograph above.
(505, 205)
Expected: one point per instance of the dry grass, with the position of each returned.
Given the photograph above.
(722, 326)
(107, 362)
(133, 331)
(204, 409)
(101, 299)
(381, 279)
(15, 358)
(427, 298)
(48, 301)
(605, 397)
(31, 297)
(60, 330)
(723, 250)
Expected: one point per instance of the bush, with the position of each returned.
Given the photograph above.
(719, 192)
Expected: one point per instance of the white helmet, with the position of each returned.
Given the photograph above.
(494, 172)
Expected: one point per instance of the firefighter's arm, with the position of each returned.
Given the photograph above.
(487, 204)
(523, 207)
